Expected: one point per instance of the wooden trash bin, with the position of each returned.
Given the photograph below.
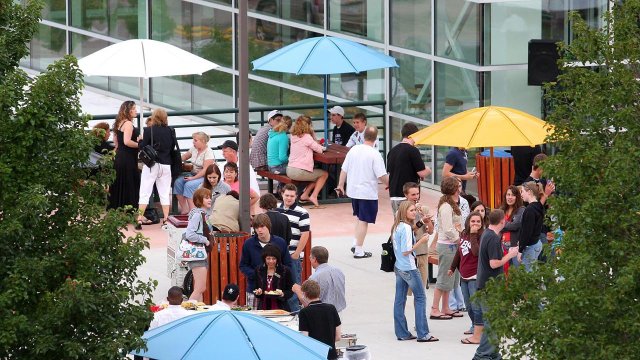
(224, 266)
(503, 175)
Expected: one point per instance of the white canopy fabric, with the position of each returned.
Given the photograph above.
(143, 58)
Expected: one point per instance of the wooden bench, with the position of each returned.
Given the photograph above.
(278, 177)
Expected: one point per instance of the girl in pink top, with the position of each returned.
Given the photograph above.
(300, 167)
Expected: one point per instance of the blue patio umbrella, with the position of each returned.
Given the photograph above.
(324, 55)
(229, 335)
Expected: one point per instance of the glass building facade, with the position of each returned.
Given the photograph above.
(453, 55)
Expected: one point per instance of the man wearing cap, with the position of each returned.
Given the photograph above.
(229, 298)
(258, 154)
(230, 154)
(357, 138)
(342, 130)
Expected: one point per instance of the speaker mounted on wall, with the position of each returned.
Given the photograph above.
(543, 62)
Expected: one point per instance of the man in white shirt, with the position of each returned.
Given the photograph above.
(357, 138)
(364, 167)
(229, 298)
(174, 312)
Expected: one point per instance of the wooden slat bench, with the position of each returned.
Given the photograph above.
(278, 177)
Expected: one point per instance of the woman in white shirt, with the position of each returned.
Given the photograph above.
(201, 157)
(408, 276)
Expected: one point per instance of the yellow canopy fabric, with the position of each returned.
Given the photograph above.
(489, 126)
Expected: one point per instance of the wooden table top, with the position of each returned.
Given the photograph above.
(335, 154)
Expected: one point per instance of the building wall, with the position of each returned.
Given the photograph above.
(453, 54)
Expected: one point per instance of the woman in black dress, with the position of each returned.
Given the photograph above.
(124, 190)
(273, 281)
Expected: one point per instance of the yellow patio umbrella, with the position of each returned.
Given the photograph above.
(488, 126)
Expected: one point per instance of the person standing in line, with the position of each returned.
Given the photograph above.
(364, 167)
(404, 164)
(423, 225)
(280, 225)
(229, 298)
(196, 231)
(408, 276)
(258, 154)
(490, 263)
(530, 244)
(330, 279)
(124, 190)
(160, 173)
(300, 232)
(357, 138)
(466, 261)
(319, 320)
(449, 228)
(342, 130)
(513, 207)
(173, 312)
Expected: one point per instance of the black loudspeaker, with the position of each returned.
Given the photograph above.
(543, 62)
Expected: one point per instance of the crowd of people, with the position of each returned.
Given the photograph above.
(471, 242)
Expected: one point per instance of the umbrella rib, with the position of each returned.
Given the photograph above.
(516, 126)
(475, 131)
(307, 57)
(345, 56)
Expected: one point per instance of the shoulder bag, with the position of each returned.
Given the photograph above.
(148, 154)
(191, 251)
(388, 257)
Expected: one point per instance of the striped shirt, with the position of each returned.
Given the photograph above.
(332, 288)
(299, 220)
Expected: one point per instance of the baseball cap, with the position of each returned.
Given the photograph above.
(337, 110)
(231, 292)
(273, 113)
(228, 144)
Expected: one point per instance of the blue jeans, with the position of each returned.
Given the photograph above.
(186, 188)
(456, 298)
(469, 287)
(296, 270)
(530, 255)
(486, 350)
(404, 281)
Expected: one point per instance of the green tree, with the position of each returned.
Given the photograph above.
(68, 285)
(584, 304)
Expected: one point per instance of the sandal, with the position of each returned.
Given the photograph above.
(429, 339)
(466, 341)
(455, 314)
(440, 317)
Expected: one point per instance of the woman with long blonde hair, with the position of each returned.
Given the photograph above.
(300, 166)
(408, 276)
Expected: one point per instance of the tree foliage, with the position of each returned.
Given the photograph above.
(68, 286)
(585, 303)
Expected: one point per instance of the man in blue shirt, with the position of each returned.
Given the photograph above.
(456, 166)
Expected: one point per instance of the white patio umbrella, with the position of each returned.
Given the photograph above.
(143, 58)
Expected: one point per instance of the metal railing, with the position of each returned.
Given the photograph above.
(204, 116)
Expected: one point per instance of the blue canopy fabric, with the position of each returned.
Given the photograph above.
(324, 55)
(496, 154)
(229, 335)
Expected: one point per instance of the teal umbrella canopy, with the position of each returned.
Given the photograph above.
(229, 335)
(324, 55)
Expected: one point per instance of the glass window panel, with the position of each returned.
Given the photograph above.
(172, 91)
(513, 24)
(411, 24)
(201, 30)
(366, 86)
(309, 12)
(48, 45)
(457, 89)
(55, 10)
(119, 19)
(410, 91)
(213, 90)
(82, 46)
(458, 30)
(225, 2)
(510, 89)
(357, 17)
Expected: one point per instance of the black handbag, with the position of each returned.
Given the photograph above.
(176, 157)
(148, 155)
(388, 257)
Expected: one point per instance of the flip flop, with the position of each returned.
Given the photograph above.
(440, 317)
(317, 207)
(466, 341)
(468, 332)
(429, 339)
(455, 314)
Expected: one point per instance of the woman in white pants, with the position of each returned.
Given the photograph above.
(159, 133)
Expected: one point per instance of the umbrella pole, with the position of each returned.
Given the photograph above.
(326, 122)
(491, 185)
(141, 87)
